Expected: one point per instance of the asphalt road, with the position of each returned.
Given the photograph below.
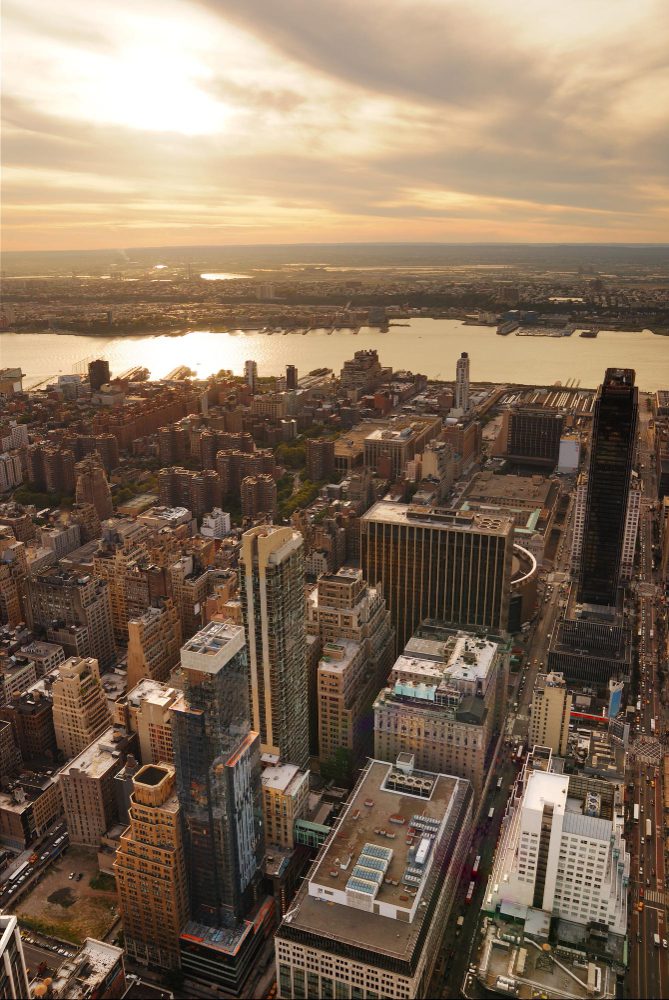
(648, 974)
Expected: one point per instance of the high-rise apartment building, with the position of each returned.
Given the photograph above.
(74, 600)
(562, 849)
(452, 567)
(147, 711)
(258, 496)
(218, 768)
(80, 709)
(13, 578)
(320, 458)
(150, 870)
(92, 486)
(533, 435)
(88, 787)
(610, 472)
(154, 643)
(271, 584)
(251, 375)
(98, 374)
(445, 703)
(549, 713)
(462, 382)
(369, 919)
(13, 973)
(291, 377)
(197, 491)
(362, 372)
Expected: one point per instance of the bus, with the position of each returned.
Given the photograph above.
(19, 871)
(638, 705)
(636, 812)
(476, 866)
(519, 754)
(649, 829)
(470, 892)
(491, 813)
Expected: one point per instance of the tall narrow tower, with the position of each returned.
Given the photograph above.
(612, 451)
(272, 593)
(251, 375)
(462, 382)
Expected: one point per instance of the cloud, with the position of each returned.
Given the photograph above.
(298, 121)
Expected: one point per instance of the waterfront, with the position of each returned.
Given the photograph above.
(424, 345)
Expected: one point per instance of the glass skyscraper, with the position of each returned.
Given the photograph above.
(611, 455)
(218, 771)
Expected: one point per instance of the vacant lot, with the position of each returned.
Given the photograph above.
(68, 909)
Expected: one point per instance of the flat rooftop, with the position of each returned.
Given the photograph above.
(212, 647)
(387, 512)
(151, 690)
(100, 755)
(532, 491)
(280, 777)
(375, 832)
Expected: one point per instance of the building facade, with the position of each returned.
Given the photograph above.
(434, 563)
(80, 709)
(273, 606)
(549, 713)
(150, 870)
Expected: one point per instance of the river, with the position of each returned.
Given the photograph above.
(430, 346)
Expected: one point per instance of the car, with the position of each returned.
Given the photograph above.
(80, 876)
(639, 906)
(664, 942)
(71, 875)
(640, 869)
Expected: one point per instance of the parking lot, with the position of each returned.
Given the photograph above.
(70, 908)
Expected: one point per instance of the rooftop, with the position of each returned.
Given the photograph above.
(151, 690)
(382, 854)
(282, 777)
(100, 755)
(212, 647)
(80, 976)
(388, 512)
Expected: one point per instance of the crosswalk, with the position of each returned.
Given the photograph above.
(655, 897)
(648, 750)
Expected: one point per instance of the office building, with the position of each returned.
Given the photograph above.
(533, 436)
(13, 973)
(218, 768)
(251, 375)
(609, 476)
(591, 647)
(347, 686)
(147, 711)
(154, 643)
(98, 374)
(549, 713)
(453, 567)
(92, 486)
(445, 703)
(271, 575)
(215, 524)
(150, 870)
(13, 578)
(370, 917)
(462, 383)
(87, 784)
(74, 600)
(285, 799)
(80, 709)
(562, 849)
(630, 533)
(291, 377)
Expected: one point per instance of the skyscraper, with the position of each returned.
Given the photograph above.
(150, 870)
(451, 566)
(272, 594)
(92, 486)
(98, 373)
(80, 709)
(291, 377)
(218, 768)
(462, 382)
(612, 451)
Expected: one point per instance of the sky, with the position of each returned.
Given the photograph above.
(133, 123)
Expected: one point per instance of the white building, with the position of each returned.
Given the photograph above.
(11, 473)
(215, 524)
(561, 848)
(13, 975)
(13, 436)
(569, 455)
(462, 382)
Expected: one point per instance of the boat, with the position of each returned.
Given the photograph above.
(504, 329)
(589, 334)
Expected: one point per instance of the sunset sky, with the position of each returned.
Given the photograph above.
(152, 122)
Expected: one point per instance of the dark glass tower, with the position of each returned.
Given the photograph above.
(613, 440)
